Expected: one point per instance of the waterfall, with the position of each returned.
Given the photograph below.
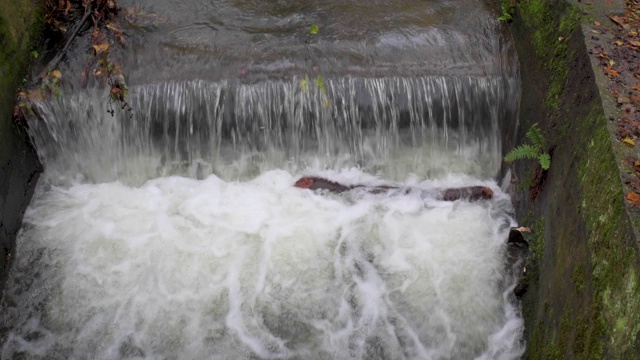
(173, 230)
(196, 128)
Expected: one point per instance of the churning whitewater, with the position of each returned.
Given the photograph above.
(173, 229)
(184, 268)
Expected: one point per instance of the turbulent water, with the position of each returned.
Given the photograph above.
(182, 268)
(174, 231)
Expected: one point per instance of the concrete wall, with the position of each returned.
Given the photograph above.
(19, 165)
(583, 298)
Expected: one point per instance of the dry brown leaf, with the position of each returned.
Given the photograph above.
(100, 48)
(619, 43)
(619, 20)
(596, 23)
(611, 72)
(637, 86)
(634, 43)
(111, 26)
(56, 74)
(633, 197)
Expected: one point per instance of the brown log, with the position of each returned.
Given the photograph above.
(471, 193)
(318, 183)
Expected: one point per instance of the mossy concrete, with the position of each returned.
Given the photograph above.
(583, 300)
(19, 165)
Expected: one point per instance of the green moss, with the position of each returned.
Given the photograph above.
(19, 26)
(552, 29)
(536, 244)
(578, 278)
(614, 257)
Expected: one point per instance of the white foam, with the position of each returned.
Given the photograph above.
(184, 268)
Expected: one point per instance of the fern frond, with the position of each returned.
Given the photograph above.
(525, 151)
(535, 136)
(545, 161)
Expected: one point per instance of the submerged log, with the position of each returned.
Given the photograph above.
(318, 183)
(471, 193)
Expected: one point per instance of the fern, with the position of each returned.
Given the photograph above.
(545, 161)
(535, 150)
(525, 151)
(535, 136)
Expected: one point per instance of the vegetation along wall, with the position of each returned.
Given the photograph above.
(583, 297)
(19, 165)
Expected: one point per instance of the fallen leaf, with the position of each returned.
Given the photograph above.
(629, 142)
(595, 31)
(56, 74)
(633, 197)
(611, 62)
(619, 20)
(623, 100)
(611, 72)
(619, 43)
(634, 43)
(100, 48)
(111, 26)
(596, 23)
(524, 229)
(637, 86)
(630, 160)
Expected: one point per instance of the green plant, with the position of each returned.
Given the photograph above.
(505, 13)
(534, 150)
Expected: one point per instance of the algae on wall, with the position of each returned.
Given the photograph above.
(584, 302)
(19, 165)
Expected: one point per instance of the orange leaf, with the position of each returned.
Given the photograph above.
(637, 86)
(619, 20)
(610, 71)
(633, 197)
(100, 48)
(596, 23)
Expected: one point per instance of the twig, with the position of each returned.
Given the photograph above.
(54, 63)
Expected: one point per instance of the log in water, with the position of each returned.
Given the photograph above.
(176, 232)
